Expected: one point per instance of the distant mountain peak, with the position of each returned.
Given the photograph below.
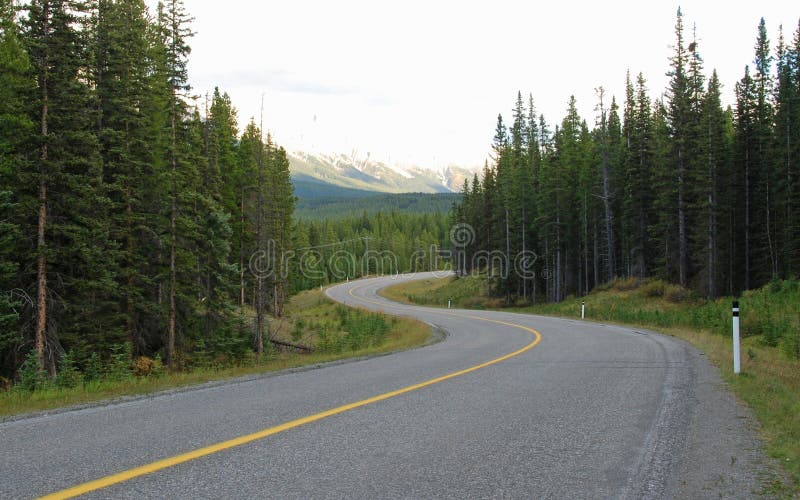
(362, 172)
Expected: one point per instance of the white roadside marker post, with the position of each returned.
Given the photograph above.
(448, 303)
(583, 310)
(736, 354)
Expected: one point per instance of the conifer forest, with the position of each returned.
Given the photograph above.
(137, 219)
(674, 186)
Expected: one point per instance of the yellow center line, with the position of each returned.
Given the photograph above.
(165, 463)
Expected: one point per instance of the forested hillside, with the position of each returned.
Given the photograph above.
(321, 207)
(129, 208)
(335, 249)
(137, 220)
(677, 187)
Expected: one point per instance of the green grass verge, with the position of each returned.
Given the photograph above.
(312, 319)
(770, 325)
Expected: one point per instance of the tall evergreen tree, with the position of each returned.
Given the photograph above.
(121, 75)
(280, 203)
(707, 186)
(16, 128)
(174, 33)
(681, 122)
(787, 152)
(767, 263)
(607, 143)
(72, 240)
(744, 152)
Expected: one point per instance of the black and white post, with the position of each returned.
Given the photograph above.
(736, 354)
(583, 310)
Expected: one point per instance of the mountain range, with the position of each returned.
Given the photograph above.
(344, 175)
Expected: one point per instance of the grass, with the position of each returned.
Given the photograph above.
(311, 317)
(770, 325)
(466, 293)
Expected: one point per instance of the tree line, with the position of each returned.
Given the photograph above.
(325, 207)
(129, 208)
(387, 242)
(676, 187)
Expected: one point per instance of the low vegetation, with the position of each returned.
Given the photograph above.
(320, 329)
(326, 207)
(770, 327)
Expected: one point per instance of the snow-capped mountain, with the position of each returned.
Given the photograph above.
(354, 172)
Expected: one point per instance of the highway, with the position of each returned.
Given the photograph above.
(506, 406)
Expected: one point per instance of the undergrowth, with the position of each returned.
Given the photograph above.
(321, 329)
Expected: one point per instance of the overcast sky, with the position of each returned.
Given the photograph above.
(423, 81)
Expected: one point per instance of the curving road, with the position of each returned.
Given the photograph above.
(507, 406)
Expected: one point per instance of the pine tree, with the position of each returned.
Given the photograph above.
(744, 153)
(121, 75)
(664, 225)
(639, 180)
(280, 209)
(16, 128)
(681, 122)
(218, 264)
(72, 229)
(607, 143)
(767, 263)
(706, 186)
(173, 32)
(787, 151)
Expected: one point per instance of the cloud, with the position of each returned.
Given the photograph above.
(273, 80)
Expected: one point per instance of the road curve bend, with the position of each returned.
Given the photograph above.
(506, 406)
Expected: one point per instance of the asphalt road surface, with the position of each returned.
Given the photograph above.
(506, 406)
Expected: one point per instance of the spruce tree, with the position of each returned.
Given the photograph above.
(280, 210)
(706, 183)
(745, 171)
(121, 75)
(16, 129)
(607, 141)
(72, 228)
(664, 226)
(178, 176)
(681, 121)
(787, 152)
(767, 258)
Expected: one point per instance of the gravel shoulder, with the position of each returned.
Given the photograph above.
(723, 456)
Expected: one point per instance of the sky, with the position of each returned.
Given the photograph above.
(422, 82)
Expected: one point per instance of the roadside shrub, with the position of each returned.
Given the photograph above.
(626, 284)
(119, 366)
(94, 368)
(474, 303)
(495, 303)
(143, 366)
(653, 288)
(31, 377)
(299, 327)
(676, 293)
(68, 375)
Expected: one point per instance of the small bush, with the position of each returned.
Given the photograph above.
(653, 288)
(31, 376)
(676, 293)
(143, 366)
(299, 328)
(94, 368)
(626, 284)
(68, 375)
(119, 366)
(495, 303)
(474, 303)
